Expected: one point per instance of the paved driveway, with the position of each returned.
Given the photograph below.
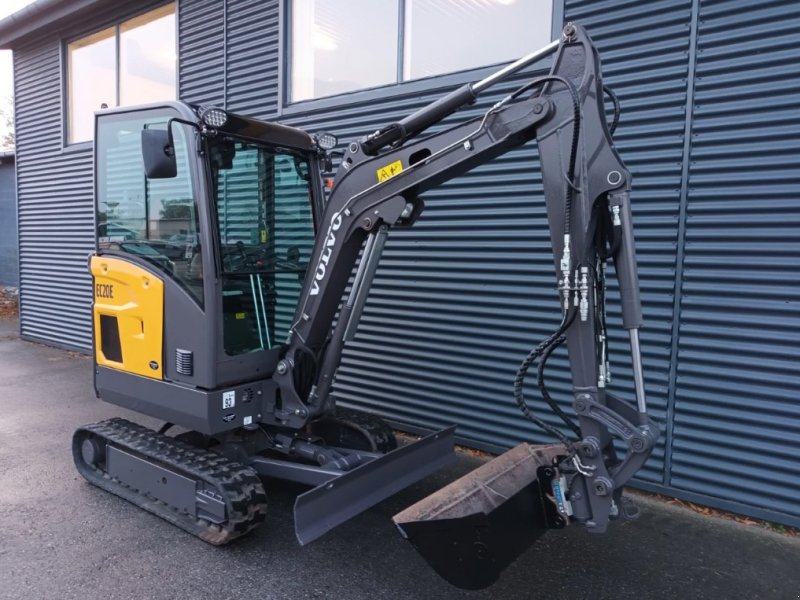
(61, 538)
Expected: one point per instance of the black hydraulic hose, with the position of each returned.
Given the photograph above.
(615, 101)
(519, 380)
(576, 127)
(546, 347)
(546, 394)
(573, 154)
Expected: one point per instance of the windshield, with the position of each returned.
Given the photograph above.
(266, 234)
(263, 200)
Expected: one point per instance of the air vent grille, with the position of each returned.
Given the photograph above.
(184, 361)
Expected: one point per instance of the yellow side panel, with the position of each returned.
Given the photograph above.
(135, 298)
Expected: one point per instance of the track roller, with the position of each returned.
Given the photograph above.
(200, 491)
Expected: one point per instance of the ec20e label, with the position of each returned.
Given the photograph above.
(103, 290)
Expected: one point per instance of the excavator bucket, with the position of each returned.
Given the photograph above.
(472, 529)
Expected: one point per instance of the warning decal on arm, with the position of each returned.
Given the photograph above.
(389, 171)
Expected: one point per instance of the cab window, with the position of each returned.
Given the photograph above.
(266, 235)
(152, 219)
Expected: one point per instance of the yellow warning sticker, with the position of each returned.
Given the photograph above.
(240, 316)
(389, 171)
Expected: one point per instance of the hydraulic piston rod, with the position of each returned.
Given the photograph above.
(638, 373)
(433, 113)
(515, 66)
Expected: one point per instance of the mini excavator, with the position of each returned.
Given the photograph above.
(226, 285)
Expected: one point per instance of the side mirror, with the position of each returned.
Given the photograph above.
(158, 152)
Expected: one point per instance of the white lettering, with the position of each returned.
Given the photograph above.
(330, 241)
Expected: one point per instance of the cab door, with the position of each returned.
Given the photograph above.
(150, 295)
(265, 235)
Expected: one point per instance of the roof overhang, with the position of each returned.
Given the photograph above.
(46, 17)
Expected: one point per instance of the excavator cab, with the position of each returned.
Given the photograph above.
(220, 227)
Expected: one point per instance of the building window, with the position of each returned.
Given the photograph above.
(130, 63)
(340, 46)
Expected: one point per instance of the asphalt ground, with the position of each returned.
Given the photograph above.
(61, 538)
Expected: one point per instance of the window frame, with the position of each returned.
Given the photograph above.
(445, 80)
(115, 23)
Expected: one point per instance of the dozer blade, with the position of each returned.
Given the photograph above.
(472, 529)
(319, 510)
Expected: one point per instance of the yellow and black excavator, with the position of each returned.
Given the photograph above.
(226, 285)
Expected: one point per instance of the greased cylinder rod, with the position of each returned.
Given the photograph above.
(514, 67)
(638, 372)
(426, 116)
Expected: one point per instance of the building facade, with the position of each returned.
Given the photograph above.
(709, 129)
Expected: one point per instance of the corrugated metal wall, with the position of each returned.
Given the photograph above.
(55, 190)
(9, 273)
(736, 416)
(56, 207)
(709, 129)
(201, 51)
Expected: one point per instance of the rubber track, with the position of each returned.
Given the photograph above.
(239, 486)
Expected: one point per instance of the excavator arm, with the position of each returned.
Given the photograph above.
(379, 186)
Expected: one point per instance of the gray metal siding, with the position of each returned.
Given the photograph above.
(709, 129)
(228, 55)
(9, 273)
(737, 419)
(55, 188)
(201, 51)
(56, 208)
(252, 57)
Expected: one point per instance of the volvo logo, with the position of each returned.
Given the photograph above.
(322, 265)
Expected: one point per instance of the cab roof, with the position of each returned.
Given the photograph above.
(236, 125)
(275, 133)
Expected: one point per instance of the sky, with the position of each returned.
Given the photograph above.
(8, 7)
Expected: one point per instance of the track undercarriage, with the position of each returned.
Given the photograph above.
(211, 486)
